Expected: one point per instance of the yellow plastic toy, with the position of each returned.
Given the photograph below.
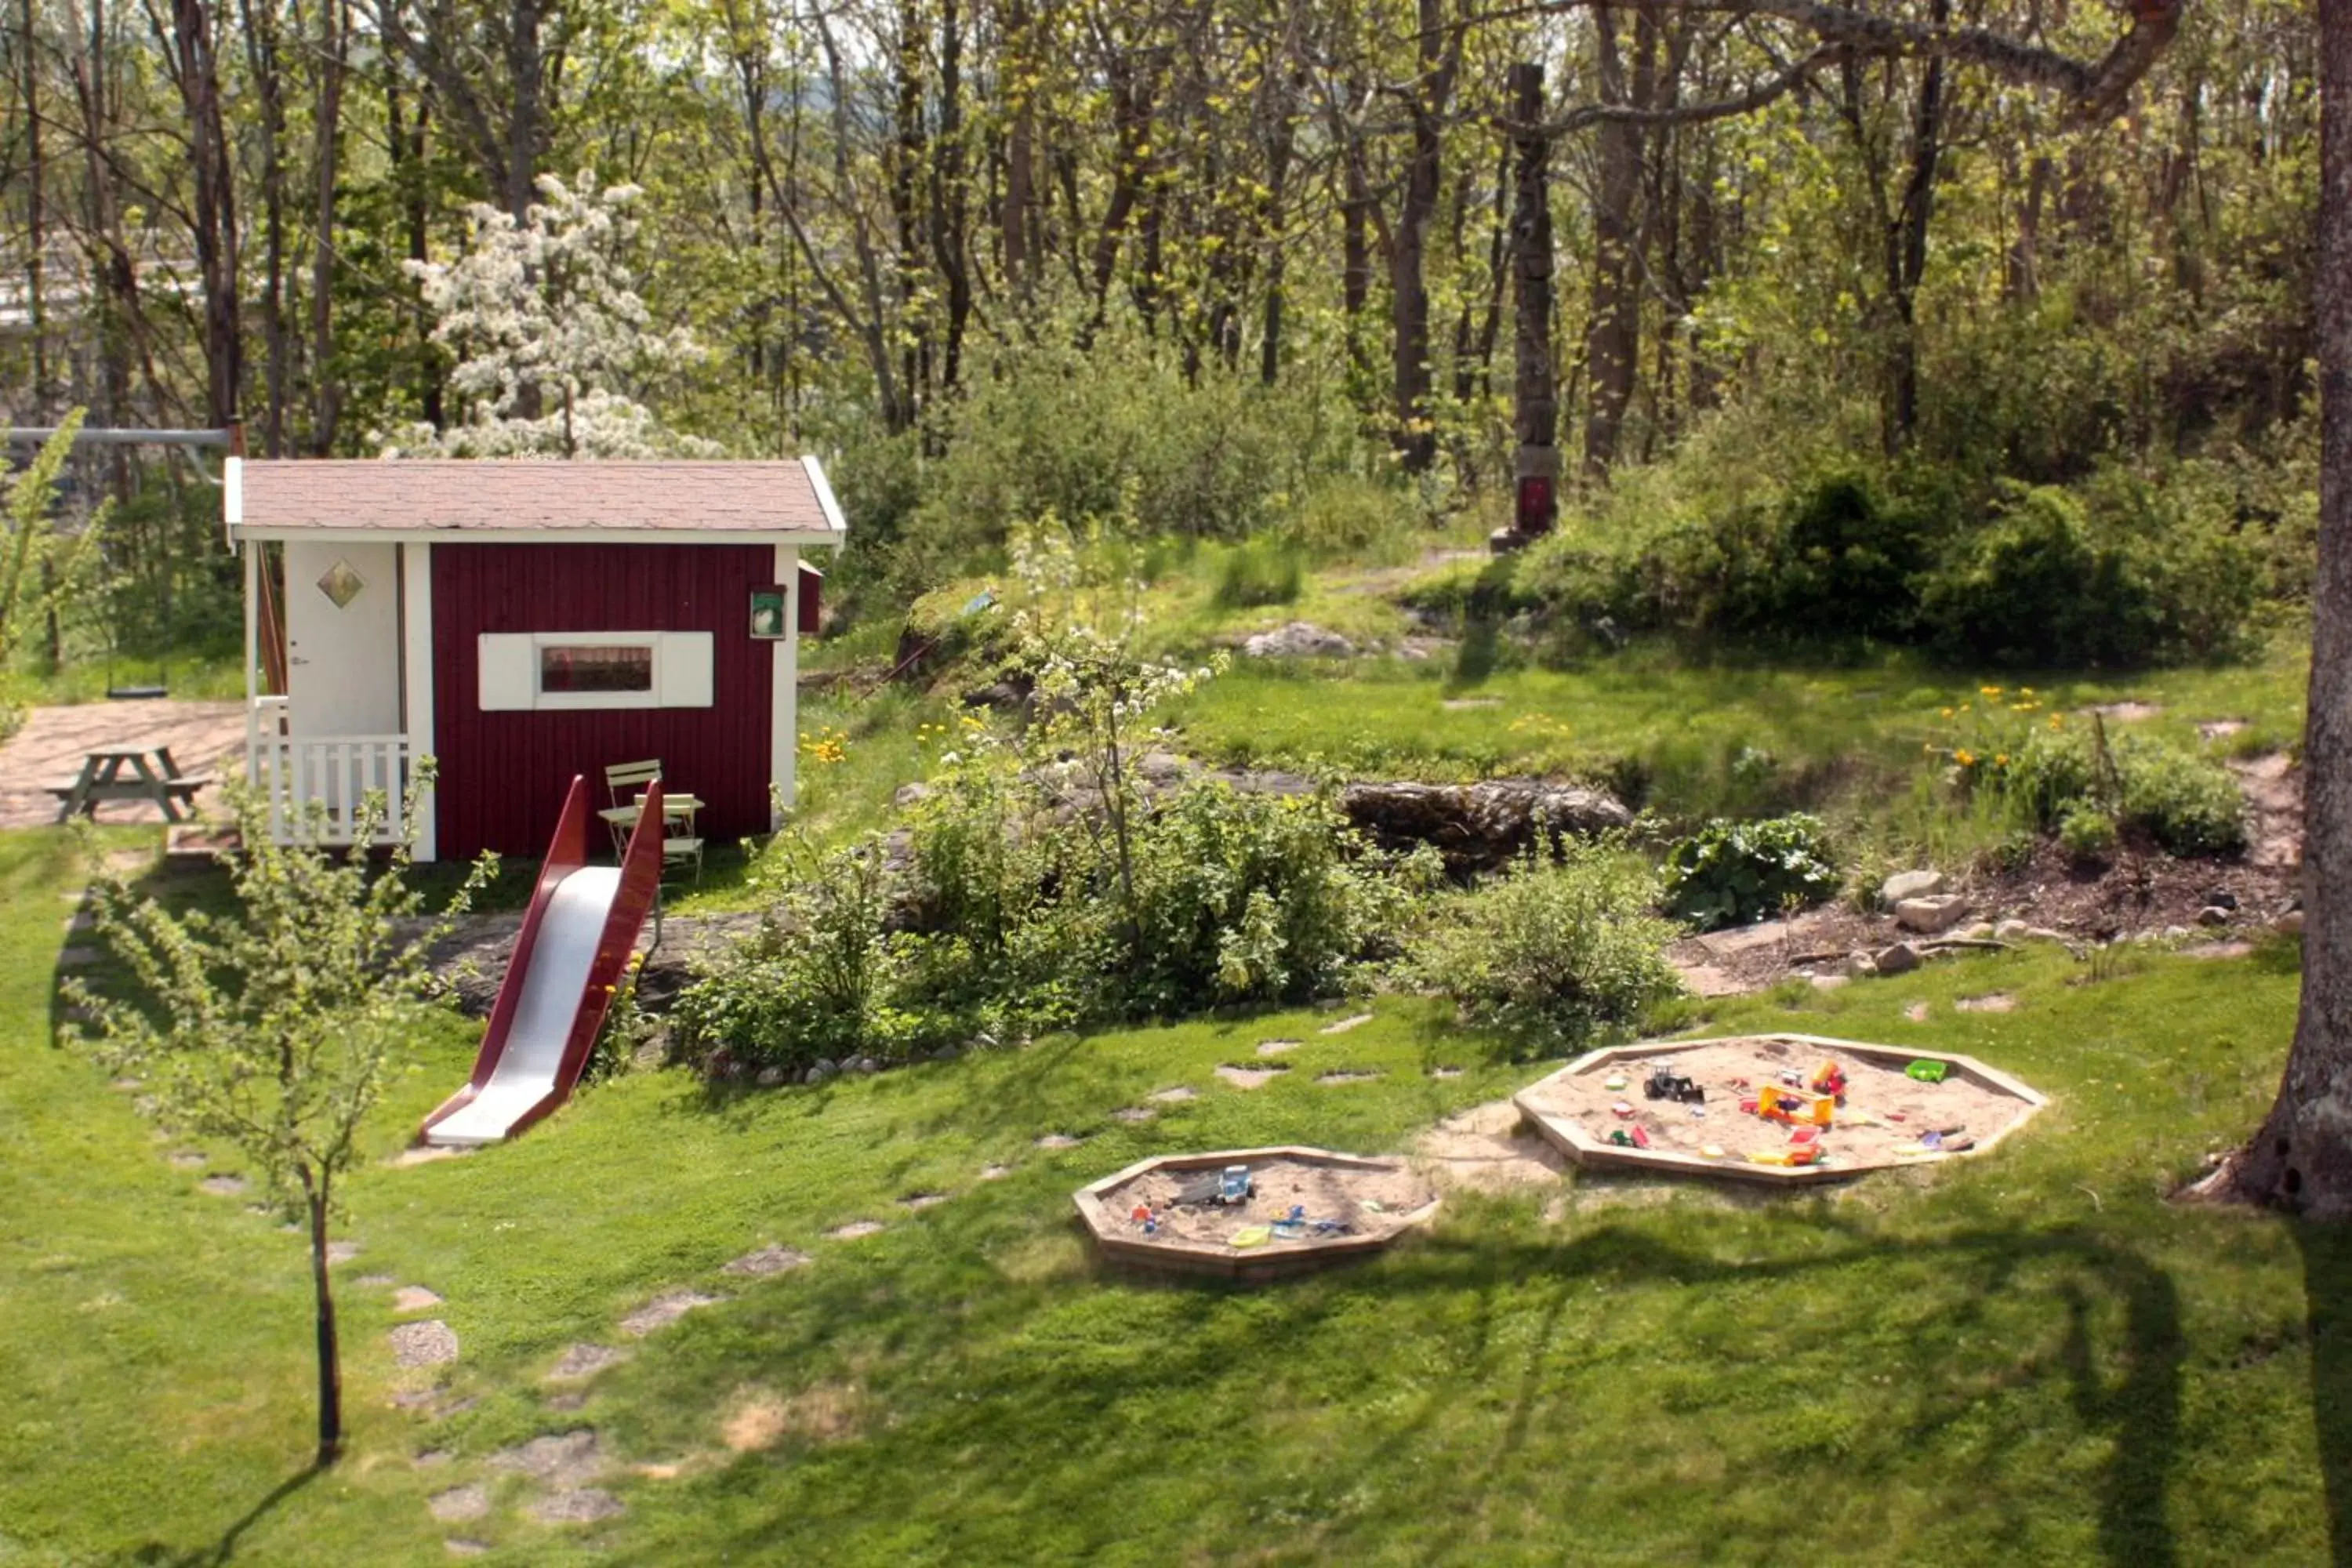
(1776, 1103)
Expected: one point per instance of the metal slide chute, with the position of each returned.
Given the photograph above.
(571, 955)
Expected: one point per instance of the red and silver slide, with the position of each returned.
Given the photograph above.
(573, 951)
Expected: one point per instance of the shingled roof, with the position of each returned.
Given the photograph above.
(511, 497)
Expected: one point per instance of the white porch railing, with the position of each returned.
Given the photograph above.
(336, 772)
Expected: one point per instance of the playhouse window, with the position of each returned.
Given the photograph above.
(569, 668)
(524, 670)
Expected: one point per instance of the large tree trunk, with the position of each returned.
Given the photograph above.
(1612, 342)
(327, 399)
(2302, 1158)
(1535, 393)
(198, 71)
(1416, 430)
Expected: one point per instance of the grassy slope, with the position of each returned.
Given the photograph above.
(2030, 1353)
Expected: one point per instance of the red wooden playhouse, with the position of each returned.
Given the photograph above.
(525, 624)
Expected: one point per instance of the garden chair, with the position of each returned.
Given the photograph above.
(623, 783)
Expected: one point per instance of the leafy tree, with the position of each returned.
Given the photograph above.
(43, 570)
(274, 1028)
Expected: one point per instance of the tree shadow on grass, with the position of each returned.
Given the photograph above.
(1502, 1303)
(2328, 1291)
(225, 1549)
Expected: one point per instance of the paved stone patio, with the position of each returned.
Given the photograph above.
(205, 738)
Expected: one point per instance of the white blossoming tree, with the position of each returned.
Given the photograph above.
(553, 344)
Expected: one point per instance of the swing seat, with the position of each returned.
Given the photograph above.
(136, 693)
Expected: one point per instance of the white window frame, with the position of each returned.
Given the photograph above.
(683, 669)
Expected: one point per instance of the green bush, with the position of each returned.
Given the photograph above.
(2086, 833)
(2185, 801)
(2042, 586)
(1843, 562)
(1263, 571)
(1556, 950)
(1729, 873)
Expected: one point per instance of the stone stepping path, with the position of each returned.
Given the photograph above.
(186, 1160)
(342, 1251)
(1343, 1026)
(1249, 1077)
(854, 1229)
(413, 1298)
(1177, 1095)
(460, 1505)
(460, 1546)
(565, 1463)
(995, 1172)
(81, 920)
(580, 1363)
(1346, 1074)
(431, 1342)
(1059, 1141)
(1133, 1113)
(1277, 1047)
(921, 1201)
(1445, 1072)
(1917, 1012)
(665, 1310)
(373, 1281)
(1997, 1002)
(76, 957)
(772, 1258)
(222, 1186)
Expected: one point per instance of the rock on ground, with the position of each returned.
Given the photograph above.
(1299, 639)
(1478, 826)
(428, 1343)
(1935, 912)
(1910, 884)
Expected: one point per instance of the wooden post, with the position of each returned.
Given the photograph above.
(1535, 463)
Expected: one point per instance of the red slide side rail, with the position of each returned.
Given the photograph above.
(566, 853)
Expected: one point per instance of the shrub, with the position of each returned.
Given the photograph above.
(1844, 562)
(2185, 803)
(1729, 873)
(2086, 833)
(1263, 571)
(1558, 948)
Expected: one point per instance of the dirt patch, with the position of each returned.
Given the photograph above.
(413, 1298)
(854, 1229)
(429, 1343)
(460, 1546)
(2130, 711)
(187, 1160)
(995, 1172)
(665, 1310)
(1344, 1025)
(459, 1504)
(204, 738)
(1917, 1012)
(1992, 1002)
(772, 1258)
(1249, 1077)
(1489, 1148)
(579, 1362)
(1368, 1201)
(2220, 729)
(1884, 1116)
(1277, 1047)
(1177, 1095)
(342, 1251)
(2273, 785)
(424, 1155)
(1346, 1074)
(222, 1186)
(759, 1419)
(1465, 704)
(2218, 949)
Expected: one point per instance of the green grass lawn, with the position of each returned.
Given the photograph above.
(2030, 1355)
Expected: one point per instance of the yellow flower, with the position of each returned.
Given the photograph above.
(1988, 691)
(1947, 712)
(1965, 757)
(2001, 760)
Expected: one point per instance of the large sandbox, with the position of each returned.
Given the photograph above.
(1887, 1118)
(1364, 1205)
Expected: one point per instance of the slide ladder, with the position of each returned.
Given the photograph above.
(571, 955)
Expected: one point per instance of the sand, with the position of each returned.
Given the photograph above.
(1328, 1192)
(1885, 1110)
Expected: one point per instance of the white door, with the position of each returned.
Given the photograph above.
(342, 676)
(342, 638)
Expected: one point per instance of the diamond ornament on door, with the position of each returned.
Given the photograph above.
(341, 583)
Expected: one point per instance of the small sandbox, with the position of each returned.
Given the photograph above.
(1304, 1208)
(1830, 1109)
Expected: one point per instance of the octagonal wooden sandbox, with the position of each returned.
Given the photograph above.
(1283, 1173)
(1878, 1128)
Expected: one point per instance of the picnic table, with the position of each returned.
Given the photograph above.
(154, 776)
